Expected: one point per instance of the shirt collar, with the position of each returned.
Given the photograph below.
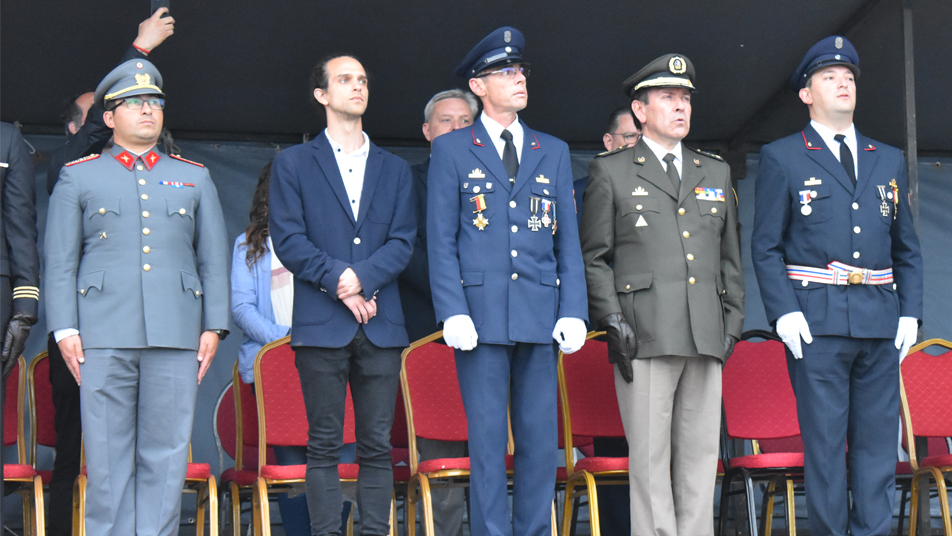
(660, 151)
(827, 134)
(338, 149)
(494, 129)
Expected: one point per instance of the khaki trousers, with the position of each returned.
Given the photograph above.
(672, 417)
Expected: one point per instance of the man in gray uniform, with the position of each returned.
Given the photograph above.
(136, 288)
(662, 263)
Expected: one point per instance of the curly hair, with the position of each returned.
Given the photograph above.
(256, 235)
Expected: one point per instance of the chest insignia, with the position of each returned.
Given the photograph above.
(542, 179)
(477, 174)
(177, 184)
(709, 194)
(812, 182)
(641, 221)
(640, 191)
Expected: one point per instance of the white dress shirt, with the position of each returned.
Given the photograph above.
(660, 152)
(352, 167)
(827, 134)
(494, 129)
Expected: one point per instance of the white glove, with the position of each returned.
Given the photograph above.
(459, 332)
(906, 335)
(792, 327)
(570, 334)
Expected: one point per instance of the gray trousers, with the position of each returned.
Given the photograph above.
(137, 407)
(672, 417)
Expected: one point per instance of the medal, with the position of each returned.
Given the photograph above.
(481, 221)
(895, 197)
(534, 223)
(805, 197)
(546, 206)
(555, 221)
(806, 210)
(884, 206)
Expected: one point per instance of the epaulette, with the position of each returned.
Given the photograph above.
(705, 153)
(613, 151)
(83, 159)
(177, 157)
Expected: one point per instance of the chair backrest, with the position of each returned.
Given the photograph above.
(433, 403)
(42, 409)
(925, 394)
(758, 399)
(282, 419)
(225, 424)
(14, 430)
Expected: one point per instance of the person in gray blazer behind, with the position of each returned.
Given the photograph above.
(136, 289)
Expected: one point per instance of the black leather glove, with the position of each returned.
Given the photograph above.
(622, 343)
(729, 342)
(17, 332)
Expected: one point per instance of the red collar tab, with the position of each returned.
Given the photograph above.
(126, 158)
(150, 159)
(535, 145)
(809, 144)
(870, 147)
(475, 141)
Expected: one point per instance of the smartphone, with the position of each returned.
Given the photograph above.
(156, 4)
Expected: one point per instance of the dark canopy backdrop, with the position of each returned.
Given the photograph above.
(236, 75)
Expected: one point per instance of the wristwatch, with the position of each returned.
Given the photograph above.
(222, 333)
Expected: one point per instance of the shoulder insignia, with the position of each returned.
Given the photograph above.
(83, 159)
(178, 157)
(705, 153)
(606, 153)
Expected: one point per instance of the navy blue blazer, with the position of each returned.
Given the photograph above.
(845, 224)
(513, 282)
(316, 238)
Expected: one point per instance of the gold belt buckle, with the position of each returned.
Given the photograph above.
(855, 278)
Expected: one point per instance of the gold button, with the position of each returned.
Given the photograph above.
(515, 276)
(82, 291)
(512, 204)
(142, 182)
(102, 211)
(690, 257)
(198, 293)
(139, 167)
(544, 191)
(146, 249)
(627, 287)
(691, 280)
(686, 234)
(713, 210)
(514, 228)
(514, 253)
(181, 211)
(146, 267)
(146, 231)
(681, 211)
(145, 213)
(144, 196)
(357, 240)
(638, 207)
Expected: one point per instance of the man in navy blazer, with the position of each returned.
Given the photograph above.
(839, 267)
(342, 221)
(506, 270)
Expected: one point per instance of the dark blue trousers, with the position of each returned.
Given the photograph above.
(848, 393)
(525, 376)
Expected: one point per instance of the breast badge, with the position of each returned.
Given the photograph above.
(480, 202)
(805, 197)
(534, 222)
(709, 194)
(640, 191)
(477, 174)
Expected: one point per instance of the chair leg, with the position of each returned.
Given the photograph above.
(903, 498)
(555, 523)
(567, 508)
(201, 490)
(751, 511)
(212, 506)
(39, 506)
(766, 511)
(235, 510)
(410, 509)
(428, 528)
(913, 504)
(943, 501)
(393, 513)
(261, 508)
(79, 506)
(592, 492)
(791, 509)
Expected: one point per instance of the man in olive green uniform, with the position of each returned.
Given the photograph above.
(662, 260)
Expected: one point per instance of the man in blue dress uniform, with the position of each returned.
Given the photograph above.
(839, 266)
(506, 272)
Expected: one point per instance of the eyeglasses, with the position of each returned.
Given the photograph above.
(507, 72)
(630, 137)
(135, 103)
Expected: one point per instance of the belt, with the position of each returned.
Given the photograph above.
(837, 273)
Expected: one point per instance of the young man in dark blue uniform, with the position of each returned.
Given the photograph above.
(839, 266)
(506, 272)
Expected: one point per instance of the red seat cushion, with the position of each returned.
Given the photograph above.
(297, 472)
(769, 461)
(47, 476)
(598, 464)
(903, 468)
(459, 464)
(561, 474)
(198, 471)
(401, 473)
(18, 470)
(943, 460)
(720, 467)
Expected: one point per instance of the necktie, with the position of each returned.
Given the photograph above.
(673, 172)
(509, 158)
(846, 157)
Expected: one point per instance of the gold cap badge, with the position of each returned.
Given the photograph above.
(676, 65)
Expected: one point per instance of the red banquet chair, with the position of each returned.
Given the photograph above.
(759, 406)
(589, 409)
(29, 484)
(282, 420)
(927, 412)
(42, 410)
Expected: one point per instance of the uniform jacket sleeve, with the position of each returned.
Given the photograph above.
(732, 269)
(63, 247)
(906, 253)
(442, 226)
(211, 249)
(19, 219)
(573, 301)
(597, 234)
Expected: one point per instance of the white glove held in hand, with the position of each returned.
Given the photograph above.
(459, 332)
(570, 334)
(792, 327)
(906, 335)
